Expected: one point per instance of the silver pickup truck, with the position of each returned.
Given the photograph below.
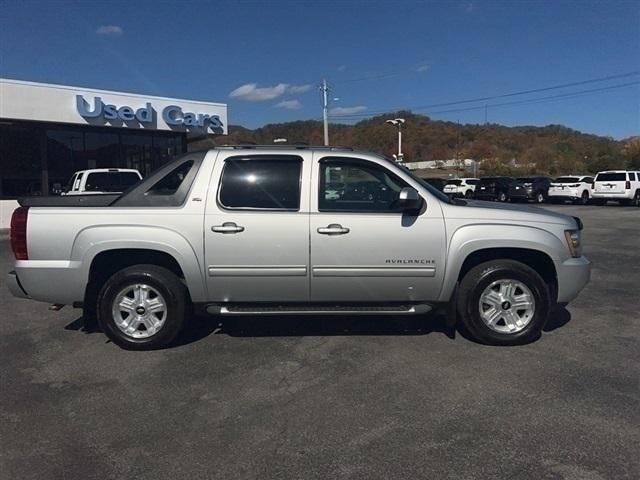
(297, 230)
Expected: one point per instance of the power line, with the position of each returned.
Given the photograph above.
(530, 100)
(494, 97)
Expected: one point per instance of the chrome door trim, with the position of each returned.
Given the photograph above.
(372, 271)
(257, 271)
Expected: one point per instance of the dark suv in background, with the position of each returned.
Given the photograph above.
(530, 188)
(494, 188)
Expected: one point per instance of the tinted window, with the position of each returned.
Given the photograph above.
(587, 179)
(473, 182)
(268, 183)
(454, 182)
(127, 179)
(611, 177)
(632, 176)
(567, 180)
(368, 187)
(169, 184)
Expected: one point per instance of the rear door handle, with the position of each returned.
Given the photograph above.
(227, 227)
(333, 229)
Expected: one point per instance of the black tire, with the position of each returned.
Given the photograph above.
(164, 282)
(636, 199)
(540, 197)
(468, 194)
(478, 279)
(584, 198)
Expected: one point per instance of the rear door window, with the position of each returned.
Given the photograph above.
(261, 183)
(611, 177)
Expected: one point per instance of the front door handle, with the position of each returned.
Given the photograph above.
(227, 227)
(333, 229)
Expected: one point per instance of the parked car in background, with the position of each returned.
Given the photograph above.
(572, 188)
(438, 183)
(102, 180)
(529, 188)
(494, 188)
(461, 187)
(619, 185)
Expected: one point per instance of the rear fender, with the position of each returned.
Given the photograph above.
(94, 240)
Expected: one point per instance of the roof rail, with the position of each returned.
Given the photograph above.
(292, 146)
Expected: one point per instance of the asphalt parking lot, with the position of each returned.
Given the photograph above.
(367, 398)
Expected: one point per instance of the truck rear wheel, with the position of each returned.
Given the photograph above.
(503, 302)
(142, 307)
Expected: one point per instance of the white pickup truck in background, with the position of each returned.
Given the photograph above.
(102, 180)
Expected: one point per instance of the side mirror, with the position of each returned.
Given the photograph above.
(409, 199)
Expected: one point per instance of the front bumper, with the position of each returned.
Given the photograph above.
(573, 276)
(13, 283)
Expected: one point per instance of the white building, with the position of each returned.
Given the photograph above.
(48, 131)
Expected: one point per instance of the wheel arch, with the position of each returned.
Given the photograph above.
(471, 246)
(104, 250)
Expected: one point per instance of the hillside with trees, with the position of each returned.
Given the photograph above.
(552, 149)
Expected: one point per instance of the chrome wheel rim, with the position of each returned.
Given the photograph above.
(507, 306)
(139, 311)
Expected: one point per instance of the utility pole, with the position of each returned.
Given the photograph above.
(325, 112)
(485, 113)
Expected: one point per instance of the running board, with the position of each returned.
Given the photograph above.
(319, 309)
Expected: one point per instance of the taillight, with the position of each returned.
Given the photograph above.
(627, 185)
(19, 233)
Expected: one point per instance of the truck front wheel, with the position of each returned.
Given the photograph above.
(503, 302)
(142, 307)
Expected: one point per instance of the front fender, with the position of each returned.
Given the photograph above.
(97, 239)
(471, 238)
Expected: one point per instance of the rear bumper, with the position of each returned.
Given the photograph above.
(613, 196)
(53, 281)
(485, 196)
(567, 194)
(573, 276)
(13, 283)
(521, 195)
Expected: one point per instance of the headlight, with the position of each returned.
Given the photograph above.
(574, 243)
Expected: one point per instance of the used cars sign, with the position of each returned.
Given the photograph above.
(172, 115)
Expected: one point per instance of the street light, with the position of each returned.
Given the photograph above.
(398, 122)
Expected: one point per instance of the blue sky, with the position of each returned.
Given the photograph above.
(266, 59)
